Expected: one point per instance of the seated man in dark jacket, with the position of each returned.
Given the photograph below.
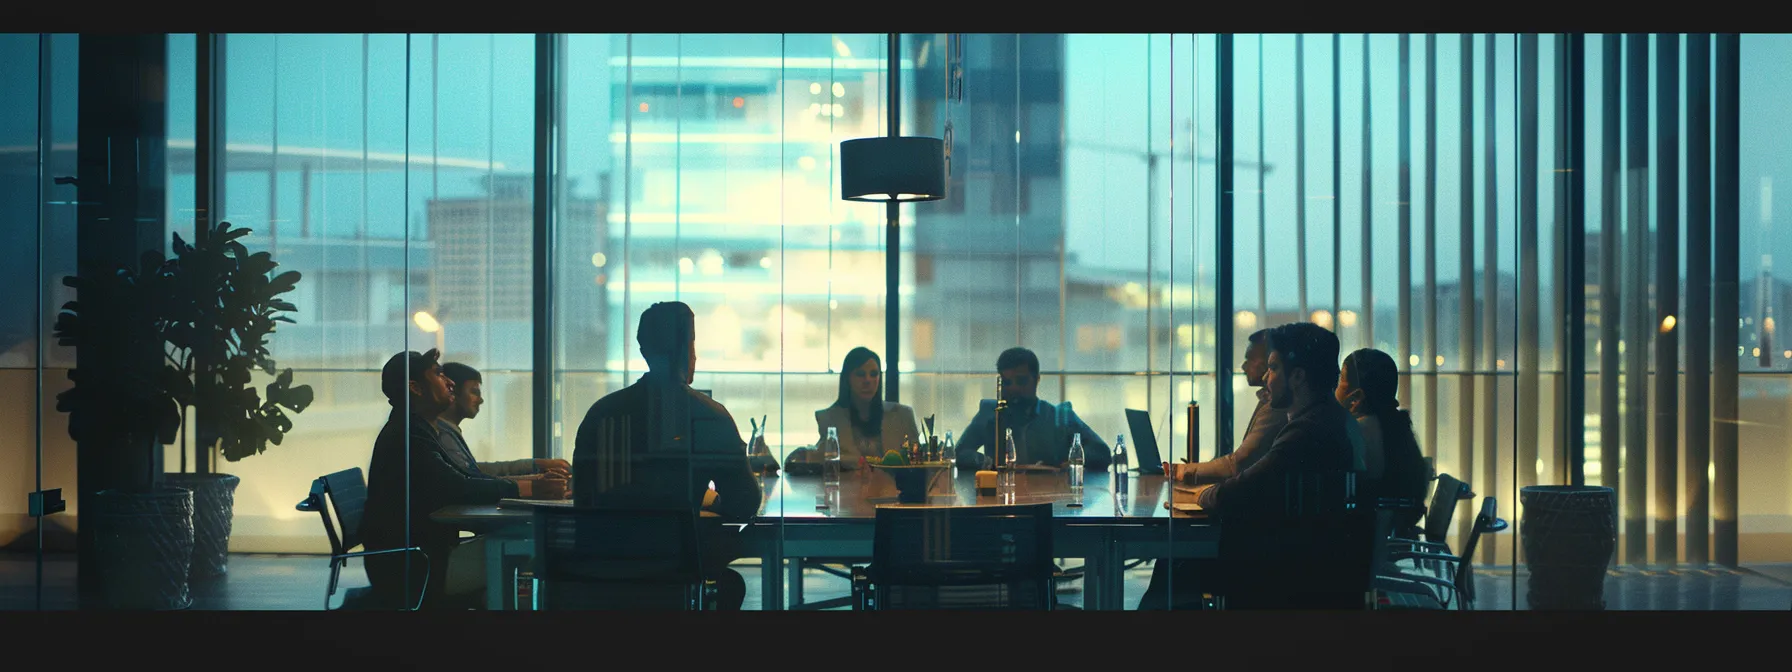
(418, 392)
(1320, 437)
(1317, 446)
(1042, 431)
(660, 444)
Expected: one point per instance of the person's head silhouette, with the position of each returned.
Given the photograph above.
(667, 336)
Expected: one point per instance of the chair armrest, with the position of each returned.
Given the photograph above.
(309, 505)
(363, 554)
(1415, 543)
(1415, 555)
(1397, 504)
(1405, 583)
(1498, 525)
(1415, 581)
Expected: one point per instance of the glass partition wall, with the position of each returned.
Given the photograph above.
(1129, 208)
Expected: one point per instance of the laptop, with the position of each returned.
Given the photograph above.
(1144, 442)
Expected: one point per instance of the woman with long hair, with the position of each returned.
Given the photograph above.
(1368, 383)
(866, 424)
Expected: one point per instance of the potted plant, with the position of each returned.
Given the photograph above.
(225, 303)
(125, 399)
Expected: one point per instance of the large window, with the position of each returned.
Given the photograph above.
(1417, 194)
(393, 172)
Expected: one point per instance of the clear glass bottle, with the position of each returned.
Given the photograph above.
(1122, 471)
(1008, 475)
(1076, 467)
(830, 469)
(949, 451)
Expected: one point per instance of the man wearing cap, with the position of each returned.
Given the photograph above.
(409, 458)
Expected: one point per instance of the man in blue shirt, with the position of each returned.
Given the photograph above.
(1042, 431)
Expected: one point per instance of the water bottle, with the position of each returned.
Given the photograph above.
(949, 451)
(830, 469)
(1010, 458)
(1076, 467)
(1122, 471)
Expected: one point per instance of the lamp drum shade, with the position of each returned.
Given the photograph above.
(900, 169)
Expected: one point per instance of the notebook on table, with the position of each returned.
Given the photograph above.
(1182, 498)
(513, 503)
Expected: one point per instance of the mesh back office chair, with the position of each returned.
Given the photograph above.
(1438, 517)
(1394, 588)
(1460, 590)
(619, 558)
(1443, 507)
(968, 557)
(340, 499)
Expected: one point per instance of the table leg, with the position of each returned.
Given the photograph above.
(496, 578)
(796, 582)
(1104, 573)
(1094, 589)
(771, 575)
(1113, 577)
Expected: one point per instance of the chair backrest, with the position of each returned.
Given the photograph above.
(1485, 521)
(964, 557)
(1317, 551)
(1384, 528)
(617, 558)
(1443, 508)
(1318, 494)
(340, 499)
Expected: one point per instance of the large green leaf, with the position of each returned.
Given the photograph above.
(284, 282)
(176, 384)
(167, 420)
(281, 392)
(235, 376)
(258, 264)
(280, 423)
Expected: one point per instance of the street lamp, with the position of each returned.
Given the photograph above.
(427, 322)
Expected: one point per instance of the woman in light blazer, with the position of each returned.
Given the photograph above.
(866, 424)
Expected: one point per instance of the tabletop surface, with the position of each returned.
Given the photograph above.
(795, 499)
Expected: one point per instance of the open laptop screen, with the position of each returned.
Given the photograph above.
(1144, 442)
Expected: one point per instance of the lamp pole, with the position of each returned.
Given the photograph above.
(893, 237)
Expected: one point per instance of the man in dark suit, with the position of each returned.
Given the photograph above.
(1320, 437)
(409, 459)
(660, 444)
(1318, 444)
(1266, 422)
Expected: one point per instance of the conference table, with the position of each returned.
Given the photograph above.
(1152, 520)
